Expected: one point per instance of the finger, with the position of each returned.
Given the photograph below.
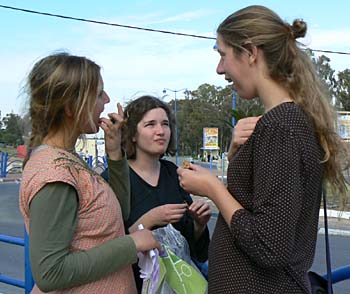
(176, 218)
(115, 118)
(120, 110)
(106, 121)
(180, 171)
(158, 246)
(196, 205)
(203, 209)
(177, 206)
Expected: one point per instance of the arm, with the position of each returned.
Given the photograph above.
(201, 214)
(118, 167)
(267, 233)
(53, 219)
(193, 226)
(200, 181)
(118, 174)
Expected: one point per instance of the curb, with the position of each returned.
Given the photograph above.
(6, 180)
(334, 232)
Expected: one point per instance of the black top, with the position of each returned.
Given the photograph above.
(277, 177)
(145, 197)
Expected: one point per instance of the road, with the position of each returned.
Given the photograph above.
(12, 257)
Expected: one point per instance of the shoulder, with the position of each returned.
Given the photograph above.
(51, 165)
(288, 118)
(168, 165)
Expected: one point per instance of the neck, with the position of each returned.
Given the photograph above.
(60, 139)
(148, 168)
(272, 94)
(145, 163)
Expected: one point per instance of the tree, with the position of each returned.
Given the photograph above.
(342, 90)
(208, 106)
(12, 132)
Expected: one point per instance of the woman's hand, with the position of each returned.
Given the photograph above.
(144, 240)
(198, 180)
(165, 214)
(242, 131)
(200, 212)
(160, 216)
(113, 133)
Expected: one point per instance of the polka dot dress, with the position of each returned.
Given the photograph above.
(276, 176)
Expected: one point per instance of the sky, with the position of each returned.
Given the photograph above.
(136, 62)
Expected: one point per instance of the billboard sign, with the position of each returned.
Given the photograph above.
(211, 138)
(344, 124)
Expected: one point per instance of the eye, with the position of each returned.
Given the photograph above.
(100, 95)
(149, 124)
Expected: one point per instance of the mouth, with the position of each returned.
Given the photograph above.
(160, 141)
(231, 83)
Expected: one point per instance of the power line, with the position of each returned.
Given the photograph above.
(137, 28)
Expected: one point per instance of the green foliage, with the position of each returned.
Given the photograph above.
(12, 131)
(342, 90)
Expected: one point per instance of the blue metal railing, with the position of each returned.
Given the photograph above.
(9, 163)
(3, 164)
(28, 282)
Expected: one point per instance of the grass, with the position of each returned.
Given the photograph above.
(9, 150)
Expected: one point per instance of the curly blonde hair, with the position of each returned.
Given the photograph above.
(57, 81)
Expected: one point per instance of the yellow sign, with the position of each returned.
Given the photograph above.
(344, 124)
(210, 138)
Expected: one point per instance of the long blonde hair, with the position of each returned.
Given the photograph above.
(58, 81)
(292, 68)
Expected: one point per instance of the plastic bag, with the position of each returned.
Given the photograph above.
(173, 271)
(174, 276)
(174, 240)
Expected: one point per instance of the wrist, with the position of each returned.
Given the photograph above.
(115, 154)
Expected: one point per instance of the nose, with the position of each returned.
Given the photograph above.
(219, 68)
(159, 129)
(106, 97)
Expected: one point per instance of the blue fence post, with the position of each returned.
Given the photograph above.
(210, 160)
(105, 162)
(2, 164)
(89, 160)
(5, 164)
(4, 159)
(28, 278)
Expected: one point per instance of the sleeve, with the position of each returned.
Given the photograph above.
(53, 219)
(266, 232)
(119, 180)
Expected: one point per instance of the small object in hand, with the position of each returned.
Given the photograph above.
(186, 164)
(113, 120)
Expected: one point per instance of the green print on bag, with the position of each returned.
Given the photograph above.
(181, 276)
(175, 277)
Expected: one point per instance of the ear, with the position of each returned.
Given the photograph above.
(68, 111)
(253, 54)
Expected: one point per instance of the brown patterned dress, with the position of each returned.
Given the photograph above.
(277, 177)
